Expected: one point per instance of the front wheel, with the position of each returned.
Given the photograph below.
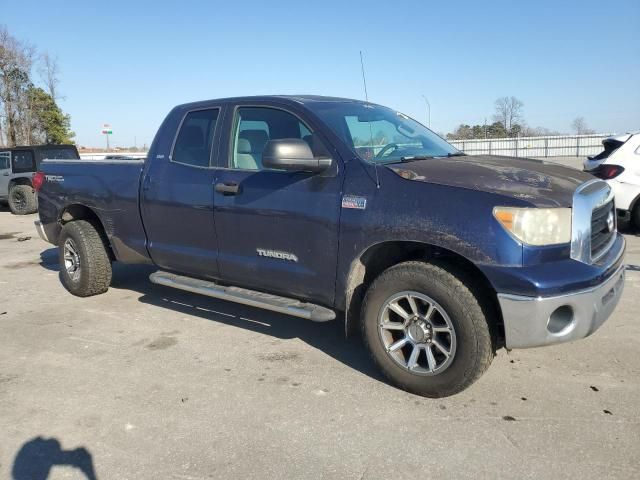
(426, 330)
(85, 267)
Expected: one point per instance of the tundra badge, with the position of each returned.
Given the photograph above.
(276, 254)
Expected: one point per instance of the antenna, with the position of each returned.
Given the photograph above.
(366, 96)
(364, 79)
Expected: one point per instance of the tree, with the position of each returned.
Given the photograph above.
(463, 132)
(508, 112)
(28, 113)
(48, 121)
(580, 126)
(468, 132)
(16, 59)
(49, 72)
(496, 130)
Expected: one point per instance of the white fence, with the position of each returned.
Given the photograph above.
(102, 155)
(552, 146)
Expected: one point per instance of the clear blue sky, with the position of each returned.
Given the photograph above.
(128, 63)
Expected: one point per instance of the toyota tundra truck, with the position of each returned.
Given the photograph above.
(334, 209)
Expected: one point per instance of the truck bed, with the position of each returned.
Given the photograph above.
(110, 188)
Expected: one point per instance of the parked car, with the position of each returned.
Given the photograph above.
(619, 165)
(17, 166)
(437, 257)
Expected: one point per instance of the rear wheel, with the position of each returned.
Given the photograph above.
(426, 329)
(22, 200)
(85, 267)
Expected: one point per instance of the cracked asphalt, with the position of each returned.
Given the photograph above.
(145, 382)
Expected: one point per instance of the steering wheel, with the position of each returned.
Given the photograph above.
(389, 146)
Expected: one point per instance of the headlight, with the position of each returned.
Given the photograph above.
(536, 226)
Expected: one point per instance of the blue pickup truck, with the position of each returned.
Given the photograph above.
(327, 208)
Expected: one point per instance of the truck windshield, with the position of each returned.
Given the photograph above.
(379, 134)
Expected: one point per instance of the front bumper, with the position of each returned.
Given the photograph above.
(539, 321)
(41, 232)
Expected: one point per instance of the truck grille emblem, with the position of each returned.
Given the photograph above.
(610, 222)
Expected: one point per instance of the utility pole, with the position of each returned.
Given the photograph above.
(428, 111)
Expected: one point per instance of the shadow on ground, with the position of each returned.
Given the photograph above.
(38, 456)
(327, 337)
(49, 259)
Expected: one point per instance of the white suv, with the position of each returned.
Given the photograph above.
(619, 165)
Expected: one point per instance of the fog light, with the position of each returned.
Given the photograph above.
(560, 320)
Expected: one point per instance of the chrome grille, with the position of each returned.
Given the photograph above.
(590, 235)
(602, 229)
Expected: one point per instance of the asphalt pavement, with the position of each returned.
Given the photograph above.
(146, 382)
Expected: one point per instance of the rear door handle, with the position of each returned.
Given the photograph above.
(230, 188)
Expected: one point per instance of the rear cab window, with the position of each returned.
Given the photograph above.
(194, 141)
(69, 153)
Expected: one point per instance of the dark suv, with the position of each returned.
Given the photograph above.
(17, 166)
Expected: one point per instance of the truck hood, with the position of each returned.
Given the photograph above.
(543, 184)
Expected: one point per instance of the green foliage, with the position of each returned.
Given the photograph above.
(47, 118)
(495, 130)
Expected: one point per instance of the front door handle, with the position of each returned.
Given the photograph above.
(230, 188)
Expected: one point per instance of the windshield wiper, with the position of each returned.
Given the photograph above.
(413, 158)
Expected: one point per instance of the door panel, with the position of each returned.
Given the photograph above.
(277, 231)
(5, 172)
(177, 200)
(276, 213)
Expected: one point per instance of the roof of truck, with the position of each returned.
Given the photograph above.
(301, 99)
(36, 147)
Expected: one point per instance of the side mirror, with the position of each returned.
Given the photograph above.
(293, 154)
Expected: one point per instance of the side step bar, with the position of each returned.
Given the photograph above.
(288, 306)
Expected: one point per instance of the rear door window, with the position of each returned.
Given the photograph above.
(195, 138)
(5, 158)
(23, 161)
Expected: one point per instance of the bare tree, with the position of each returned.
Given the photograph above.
(580, 126)
(508, 111)
(16, 60)
(49, 71)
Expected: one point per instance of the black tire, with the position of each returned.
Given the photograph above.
(22, 200)
(93, 263)
(635, 216)
(473, 348)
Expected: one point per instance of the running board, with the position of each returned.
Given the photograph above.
(289, 306)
